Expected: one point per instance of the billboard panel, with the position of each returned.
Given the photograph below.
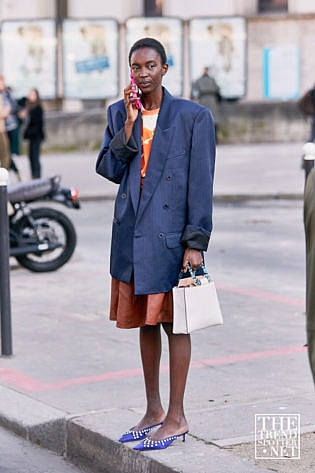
(220, 44)
(90, 58)
(29, 56)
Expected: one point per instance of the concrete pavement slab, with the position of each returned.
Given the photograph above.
(231, 424)
(305, 464)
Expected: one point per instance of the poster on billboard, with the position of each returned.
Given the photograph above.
(90, 58)
(29, 56)
(220, 45)
(169, 32)
(281, 72)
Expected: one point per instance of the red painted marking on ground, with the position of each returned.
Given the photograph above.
(264, 295)
(224, 360)
(97, 378)
(19, 380)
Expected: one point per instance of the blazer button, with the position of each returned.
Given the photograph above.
(169, 178)
(161, 235)
(165, 206)
(123, 196)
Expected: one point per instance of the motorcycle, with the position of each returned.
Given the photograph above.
(41, 238)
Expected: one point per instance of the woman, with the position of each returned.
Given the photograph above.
(163, 158)
(34, 131)
(4, 142)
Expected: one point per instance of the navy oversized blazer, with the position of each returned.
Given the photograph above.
(151, 231)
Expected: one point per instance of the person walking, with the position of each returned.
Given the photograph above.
(162, 156)
(207, 92)
(5, 111)
(34, 130)
(12, 126)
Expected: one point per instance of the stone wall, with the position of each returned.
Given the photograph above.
(259, 122)
(67, 131)
(243, 122)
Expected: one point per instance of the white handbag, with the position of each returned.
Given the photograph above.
(195, 303)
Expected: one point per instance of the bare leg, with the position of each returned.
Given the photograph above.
(179, 353)
(150, 344)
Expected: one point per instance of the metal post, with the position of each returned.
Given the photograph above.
(309, 157)
(5, 302)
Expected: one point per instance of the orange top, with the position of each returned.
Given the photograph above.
(149, 119)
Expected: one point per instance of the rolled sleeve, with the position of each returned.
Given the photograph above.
(121, 150)
(195, 238)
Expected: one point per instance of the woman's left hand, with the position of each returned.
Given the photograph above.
(194, 257)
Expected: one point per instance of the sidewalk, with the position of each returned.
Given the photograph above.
(242, 171)
(74, 384)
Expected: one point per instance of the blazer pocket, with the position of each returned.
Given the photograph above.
(178, 154)
(173, 240)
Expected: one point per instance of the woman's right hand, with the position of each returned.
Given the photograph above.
(132, 111)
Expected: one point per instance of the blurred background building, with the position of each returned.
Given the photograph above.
(75, 52)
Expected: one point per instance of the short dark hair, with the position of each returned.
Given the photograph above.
(149, 43)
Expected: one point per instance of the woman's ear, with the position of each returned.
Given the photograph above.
(164, 69)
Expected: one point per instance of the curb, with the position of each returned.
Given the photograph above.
(93, 450)
(89, 440)
(216, 198)
(33, 420)
(246, 197)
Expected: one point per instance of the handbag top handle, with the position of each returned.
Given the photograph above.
(193, 274)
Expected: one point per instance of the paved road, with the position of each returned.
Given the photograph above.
(19, 456)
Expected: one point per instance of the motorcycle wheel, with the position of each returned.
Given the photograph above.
(52, 226)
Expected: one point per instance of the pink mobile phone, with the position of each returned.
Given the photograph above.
(135, 94)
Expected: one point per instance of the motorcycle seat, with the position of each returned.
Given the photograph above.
(32, 190)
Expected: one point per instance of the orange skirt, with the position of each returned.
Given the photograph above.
(131, 311)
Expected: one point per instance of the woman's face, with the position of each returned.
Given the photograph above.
(147, 69)
(32, 96)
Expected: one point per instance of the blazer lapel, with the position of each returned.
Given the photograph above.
(159, 152)
(134, 169)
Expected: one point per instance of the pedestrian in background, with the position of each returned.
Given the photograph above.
(12, 126)
(207, 92)
(162, 155)
(34, 130)
(5, 111)
(306, 105)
